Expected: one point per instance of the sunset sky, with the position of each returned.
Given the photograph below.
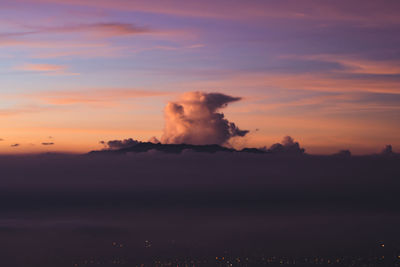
(76, 72)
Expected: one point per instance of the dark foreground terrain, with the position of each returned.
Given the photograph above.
(199, 209)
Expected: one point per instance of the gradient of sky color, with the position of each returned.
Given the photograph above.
(74, 72)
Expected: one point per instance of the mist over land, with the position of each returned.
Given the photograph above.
(61, 208)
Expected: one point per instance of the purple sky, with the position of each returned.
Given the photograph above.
(324, 72)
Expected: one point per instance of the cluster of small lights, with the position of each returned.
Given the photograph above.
(227, 260)
(117, 245)
(99, 262)
(147, 244)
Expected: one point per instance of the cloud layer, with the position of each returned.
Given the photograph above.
(60, 208)
(195, 119)
(118, 144)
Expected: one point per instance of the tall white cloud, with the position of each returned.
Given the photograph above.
(195, 119)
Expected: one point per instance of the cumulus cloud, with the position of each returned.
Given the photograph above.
(288, 145)
(195, 119)
(118, 144)
(388, 150)
(154, 140)
(343, 153)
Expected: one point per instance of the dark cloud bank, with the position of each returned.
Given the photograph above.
(47, 143)
(287, 147)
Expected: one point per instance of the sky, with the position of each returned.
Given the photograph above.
(74, 73)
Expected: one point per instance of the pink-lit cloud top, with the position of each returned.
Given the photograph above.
(196, 119)
(324, 72)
